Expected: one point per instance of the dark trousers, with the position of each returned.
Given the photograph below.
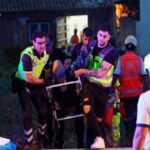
(130, 106)
(37, 98)
(97, 99)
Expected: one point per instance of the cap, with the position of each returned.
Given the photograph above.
(131, 39)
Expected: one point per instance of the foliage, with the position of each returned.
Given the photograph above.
(12, 54)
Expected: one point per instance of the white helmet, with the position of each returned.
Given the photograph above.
(131, 39)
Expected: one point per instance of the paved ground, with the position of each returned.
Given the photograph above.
(105, 149)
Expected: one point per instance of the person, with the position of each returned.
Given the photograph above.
(74, 39)
(32, 69)
(64, 101)
(130, 71)
(98, 78)
(147, 63)
(141, 138)
(78, 53)
(147, 68)
(86, 37)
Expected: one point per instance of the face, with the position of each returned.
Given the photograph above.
(85, 39)
(103, 38)
(39, 44)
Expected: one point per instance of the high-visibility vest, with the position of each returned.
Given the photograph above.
(95, 64)
(130, 77)
(116, 126)
(37, 63)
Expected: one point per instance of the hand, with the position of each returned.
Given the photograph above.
(80, 72)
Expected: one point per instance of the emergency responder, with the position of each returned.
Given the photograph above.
(98, 78)
(30, 88)
(130, 71)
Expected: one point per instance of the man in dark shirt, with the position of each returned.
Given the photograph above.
(98, 79)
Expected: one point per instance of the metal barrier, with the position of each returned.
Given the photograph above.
(49, 88)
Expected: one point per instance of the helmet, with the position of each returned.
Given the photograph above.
(131, 39)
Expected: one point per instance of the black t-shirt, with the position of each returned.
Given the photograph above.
(111, 57)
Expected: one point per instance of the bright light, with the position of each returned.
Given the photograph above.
(121, 11)
(4, 141)
(79, 22)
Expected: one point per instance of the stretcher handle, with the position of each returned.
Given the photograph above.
(62, 84)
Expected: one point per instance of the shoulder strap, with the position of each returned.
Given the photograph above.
(106, 51)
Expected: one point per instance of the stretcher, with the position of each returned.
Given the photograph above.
(48, 90)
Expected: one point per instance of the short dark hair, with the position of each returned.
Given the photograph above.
(105, 27)
(38, 34)
(88, 32)
(130, 47)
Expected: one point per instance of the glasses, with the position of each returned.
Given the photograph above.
(41, 43)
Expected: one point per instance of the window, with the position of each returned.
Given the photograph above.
(38, 26)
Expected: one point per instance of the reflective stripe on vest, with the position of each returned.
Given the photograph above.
(136, 90)
(37, 64)
(130, 77)
(105, 81)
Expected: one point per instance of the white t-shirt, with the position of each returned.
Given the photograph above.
(143, 117)
(147, 63)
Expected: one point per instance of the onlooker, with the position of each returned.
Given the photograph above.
(147, 68)
(98, 79)
(142, 133)
(147, 63)
(74, 39)
(130, 71)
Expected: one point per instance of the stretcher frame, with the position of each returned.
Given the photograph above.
(48, 90)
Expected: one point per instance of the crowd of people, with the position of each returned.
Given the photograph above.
(111, 87)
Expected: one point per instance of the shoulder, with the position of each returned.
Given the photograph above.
(28, 51)
(112, 52)
(92, 43)
(111, 55)
(147, 57)
(145, 98)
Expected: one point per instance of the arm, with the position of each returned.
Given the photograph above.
(96, 73)
(33, 80)
(139, 137)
